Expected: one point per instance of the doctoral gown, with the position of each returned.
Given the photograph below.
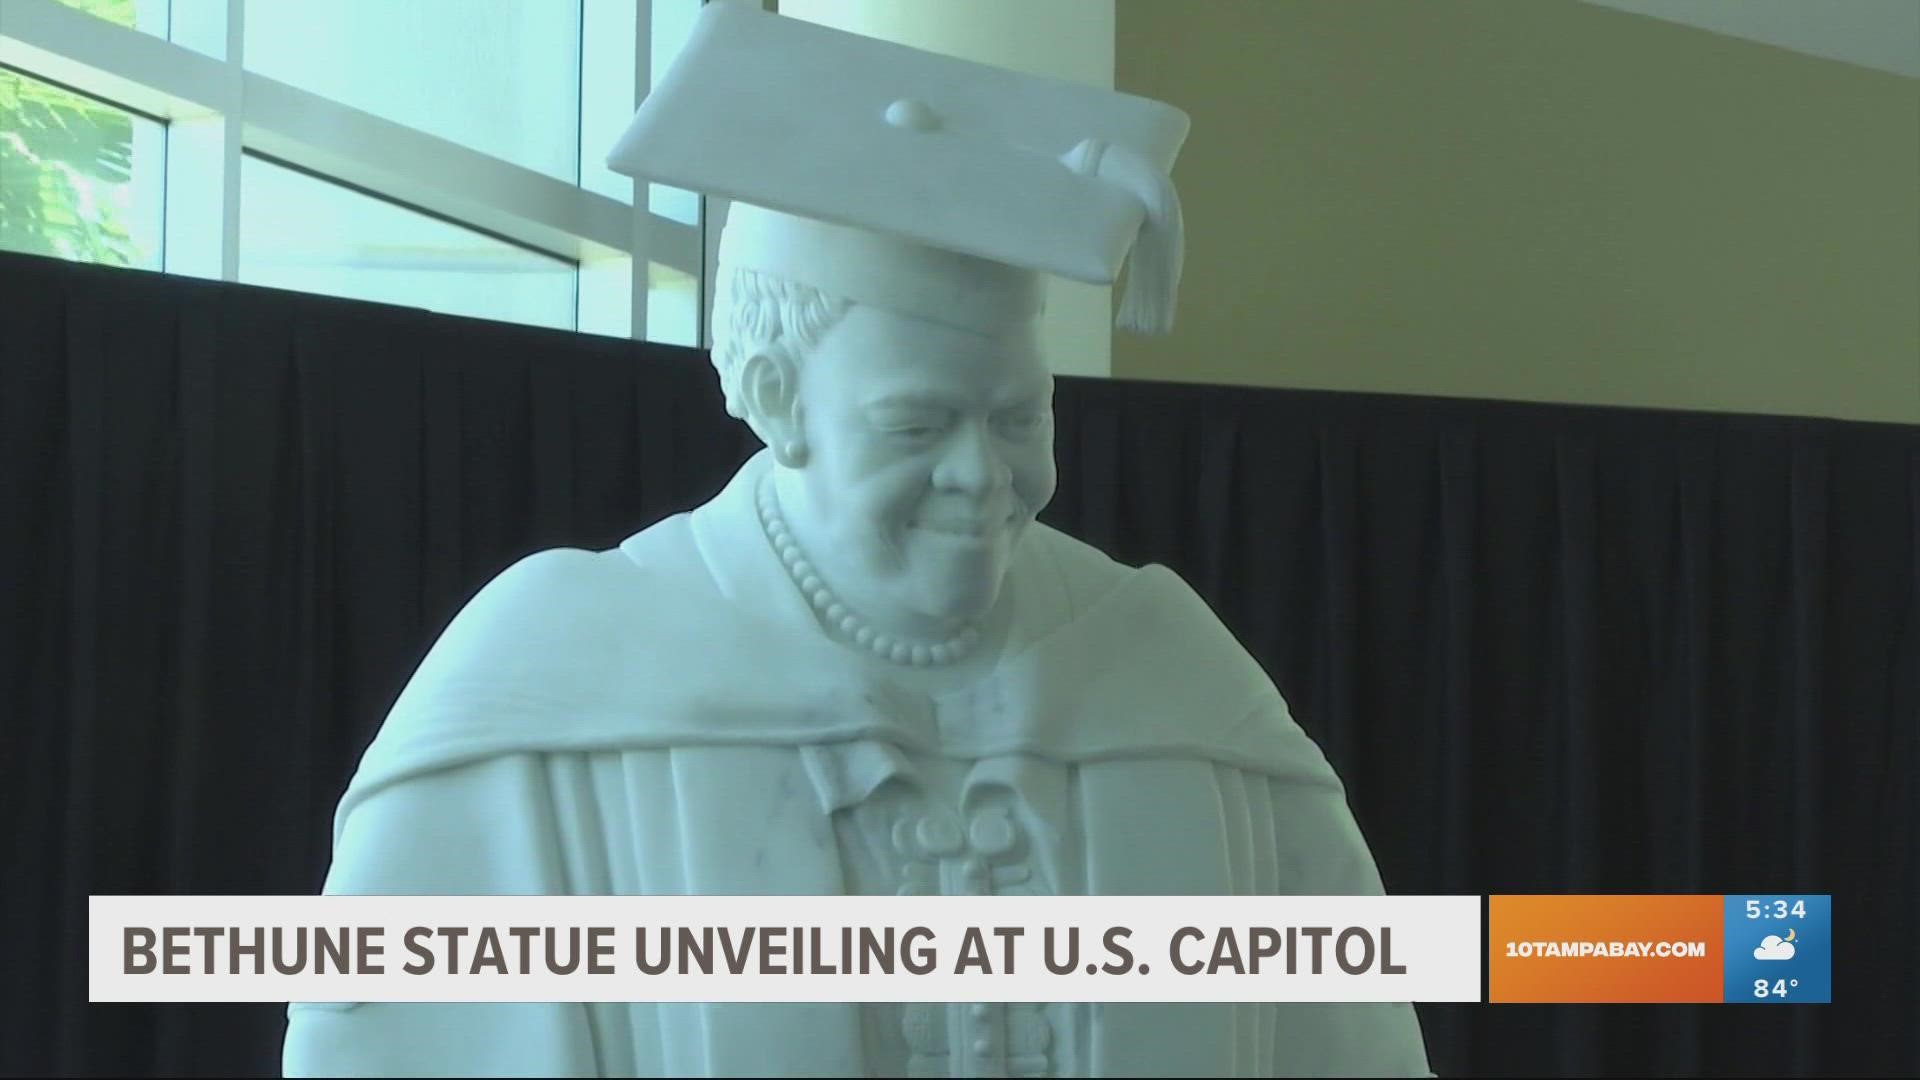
(666, 717)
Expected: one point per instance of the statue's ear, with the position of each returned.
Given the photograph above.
(770, 390)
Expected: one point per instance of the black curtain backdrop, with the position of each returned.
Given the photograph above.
(1551, 649)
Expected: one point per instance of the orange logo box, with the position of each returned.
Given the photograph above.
(1598, 949)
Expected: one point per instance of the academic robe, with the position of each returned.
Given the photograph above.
(666, 717)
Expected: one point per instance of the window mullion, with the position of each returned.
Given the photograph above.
(203, 152)
(233, 144)
(641, 219)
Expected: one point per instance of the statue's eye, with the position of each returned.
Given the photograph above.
(1022, 424)
(910, 424)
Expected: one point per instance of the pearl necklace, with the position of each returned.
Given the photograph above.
(839, 616)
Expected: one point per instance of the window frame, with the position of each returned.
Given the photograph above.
(216, 111)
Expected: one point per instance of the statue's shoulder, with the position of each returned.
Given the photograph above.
(553, 571)
(562, 582)
(1085, 573)
(1090, 575)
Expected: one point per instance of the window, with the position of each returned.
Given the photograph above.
(500, 76)
(147, 16)
(79, 179)
(301, 232)
(444, 154)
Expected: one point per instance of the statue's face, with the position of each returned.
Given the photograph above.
(929, 453)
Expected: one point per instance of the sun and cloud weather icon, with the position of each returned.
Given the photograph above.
(1775, 947)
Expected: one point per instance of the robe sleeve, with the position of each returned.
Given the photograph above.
(481, 828)
(1321, 852)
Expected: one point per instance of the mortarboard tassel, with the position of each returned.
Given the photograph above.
(1153, 272)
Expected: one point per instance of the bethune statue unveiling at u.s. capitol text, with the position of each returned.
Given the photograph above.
(863, 667)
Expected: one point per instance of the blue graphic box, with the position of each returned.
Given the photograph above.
(1779, 948)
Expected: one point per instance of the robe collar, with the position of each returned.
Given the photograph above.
(752, 577)
(847, 773)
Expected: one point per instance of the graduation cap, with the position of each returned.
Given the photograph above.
(913, 181)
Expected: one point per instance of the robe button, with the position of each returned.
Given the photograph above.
(980, 1010)
(982, 1046)
(939, 834)
(991, 832)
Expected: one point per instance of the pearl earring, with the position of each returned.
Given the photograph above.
(796, 452)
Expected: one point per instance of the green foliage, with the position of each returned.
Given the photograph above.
(61, 156)
(117, 12)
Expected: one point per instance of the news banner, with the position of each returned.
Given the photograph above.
(1746, 949)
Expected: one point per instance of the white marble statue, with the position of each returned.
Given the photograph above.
(864, 666)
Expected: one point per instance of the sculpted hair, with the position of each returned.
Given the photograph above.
(756, 312)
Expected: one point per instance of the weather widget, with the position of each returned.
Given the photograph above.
(1779, 948)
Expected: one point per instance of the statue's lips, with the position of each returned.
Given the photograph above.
(959, 531)
(976, 529)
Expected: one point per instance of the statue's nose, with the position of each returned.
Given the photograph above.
(972, 462)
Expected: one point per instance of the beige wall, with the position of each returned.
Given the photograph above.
(1066, 39)
(1543, 201)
